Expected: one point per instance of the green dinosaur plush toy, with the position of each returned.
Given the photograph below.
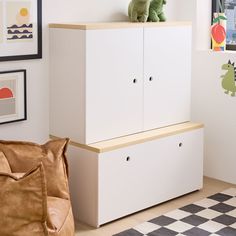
(139, 10)
(156, 13)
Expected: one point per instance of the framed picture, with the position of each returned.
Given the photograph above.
(20, 29)
(229, 8)
(12, 96)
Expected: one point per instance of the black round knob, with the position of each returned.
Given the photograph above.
(127, 158)
(135, 81)
(151, 78)
(180, 144)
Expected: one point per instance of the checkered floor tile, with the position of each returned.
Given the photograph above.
(215, 215)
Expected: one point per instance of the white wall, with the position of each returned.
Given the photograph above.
(209, 103)
(36, 127)
(185, 10)
(202, 24)
(217, 111)
(92, 10)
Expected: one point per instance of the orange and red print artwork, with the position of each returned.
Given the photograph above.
(7, 97)
(5, 93)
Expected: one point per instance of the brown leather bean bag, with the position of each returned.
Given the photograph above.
(34, 194)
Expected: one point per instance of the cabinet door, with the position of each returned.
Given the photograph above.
(140, 176)
(167, 76)
(114, 84)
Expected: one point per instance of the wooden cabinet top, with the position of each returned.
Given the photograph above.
(116, 25)
(138, 138)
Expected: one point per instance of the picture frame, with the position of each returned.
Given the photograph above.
(229, 8)
(13, 105)
(20, 29)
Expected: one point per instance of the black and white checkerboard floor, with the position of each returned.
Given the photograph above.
(215, 215)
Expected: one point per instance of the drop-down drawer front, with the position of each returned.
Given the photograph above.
(111, 179)
(140, 176)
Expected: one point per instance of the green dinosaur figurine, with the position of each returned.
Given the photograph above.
(139, 10)
(156, 13)
(228, 81)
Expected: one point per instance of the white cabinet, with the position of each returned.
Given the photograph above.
(118, 82)
(111, 80)
(115, 178)
(167, 73)
(114, 62)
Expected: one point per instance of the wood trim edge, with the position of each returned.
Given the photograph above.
(139, 140)
(117, 25)
(118, 146)
(79, 145)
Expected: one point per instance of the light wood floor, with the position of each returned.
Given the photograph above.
(211, 186)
